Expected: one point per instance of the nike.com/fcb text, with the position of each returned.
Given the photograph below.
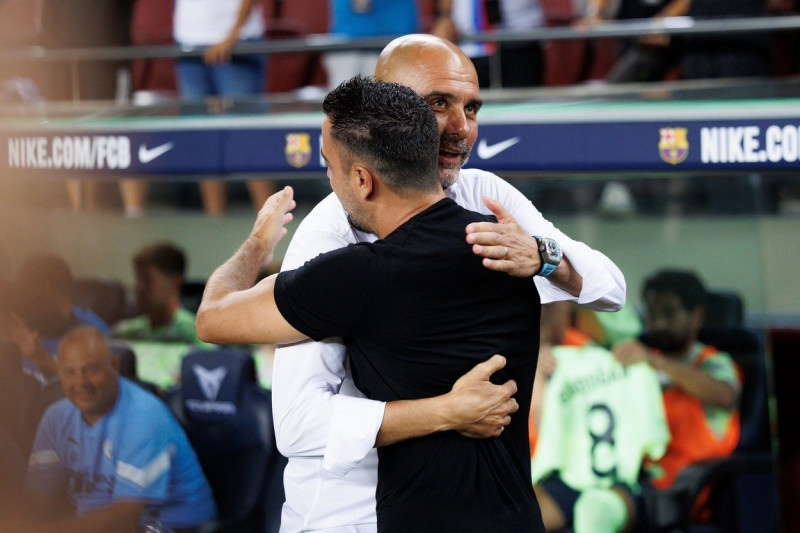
(78, 152)
(84, 152)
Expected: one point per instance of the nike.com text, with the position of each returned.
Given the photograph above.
(97, 152)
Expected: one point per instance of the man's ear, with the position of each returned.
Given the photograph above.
(365, 181)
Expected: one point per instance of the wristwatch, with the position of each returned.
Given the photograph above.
(550, 255)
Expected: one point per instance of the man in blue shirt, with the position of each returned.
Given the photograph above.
(111, 452)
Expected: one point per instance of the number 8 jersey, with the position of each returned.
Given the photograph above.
(599, 420)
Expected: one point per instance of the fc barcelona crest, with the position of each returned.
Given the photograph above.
(298, 149)
(673, 147)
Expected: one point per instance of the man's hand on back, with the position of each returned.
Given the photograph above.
(478, 407)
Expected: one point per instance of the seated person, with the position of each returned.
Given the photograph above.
(700, 388)
(159, 269)
(164, 330)
(44, 309)
(701, 385)
(110, 456)
(593, 438)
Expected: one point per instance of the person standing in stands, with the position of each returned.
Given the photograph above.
(219, 74)
(650, 57)
(323, 422)
(110, 456)
(357, 19)
(700, 385)
(159, 270)
(521, 63)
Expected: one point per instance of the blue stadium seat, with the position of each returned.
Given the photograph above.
(228, 419)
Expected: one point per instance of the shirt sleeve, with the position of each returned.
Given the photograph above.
(315, 415)
(326, 296)
(604, 287)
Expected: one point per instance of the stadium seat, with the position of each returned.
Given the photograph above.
(312, 16)
(228, 419)
(287, 72)
(427, 14)
(294, 20)
(127, 367)
(151, 24)
(192, 294)
(723, 309)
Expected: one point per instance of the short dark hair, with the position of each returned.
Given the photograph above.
(686, 285)
(391, 127)
(46, 269)
(164, 256)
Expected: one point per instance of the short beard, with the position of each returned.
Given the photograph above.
(448, 174)
(358, 226)
(666, 341)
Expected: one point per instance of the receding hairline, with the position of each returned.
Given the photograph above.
(86, 334)
(405, 51)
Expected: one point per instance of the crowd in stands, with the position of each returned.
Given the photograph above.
(73, 384)
(594, 470)
(524, 64)
(77, 23)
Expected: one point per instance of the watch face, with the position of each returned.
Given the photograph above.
(552, 251)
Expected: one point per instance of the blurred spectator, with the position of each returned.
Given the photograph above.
(44, 309)
(355, 19)
(159, 270)
(521, 63)
(731, 55)
(220, 75)
(652, 57)
(646, 58)
(111, 452)
(700, 384)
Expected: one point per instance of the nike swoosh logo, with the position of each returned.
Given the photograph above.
(148, 154)
(487, 151)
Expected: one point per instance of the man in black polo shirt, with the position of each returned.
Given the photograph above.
(417, 309)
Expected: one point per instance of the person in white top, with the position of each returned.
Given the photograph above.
(323, 424)
(217, 26)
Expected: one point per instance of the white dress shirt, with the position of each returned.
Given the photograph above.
(323, 424)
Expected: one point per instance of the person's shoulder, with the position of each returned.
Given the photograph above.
(58, 416)
(85, 315)
(184, 316)
(473, 184)
(477, 179)
(328, 215)
(714, 360)
(141, 408)
(130, 326)
(61, 409)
